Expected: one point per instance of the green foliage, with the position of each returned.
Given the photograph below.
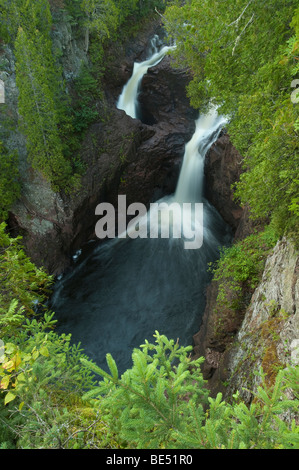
(28, 15)
(126, 8)
(75, 11)
(240, 267)
(37, 105)
(146, 7)
(41, 376)
(259, 425)
(43, 103)
(42, 380)
(87, 92)
(244, 56)
(9, 180)
(53, 126)
(21, 280)
(161, 402)
(101, 17)
(146, 406)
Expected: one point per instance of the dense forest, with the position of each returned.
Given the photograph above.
(243, 57)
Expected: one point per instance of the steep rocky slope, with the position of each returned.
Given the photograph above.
(269, 335)
(266, 336)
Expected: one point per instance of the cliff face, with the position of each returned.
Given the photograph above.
(222, 169)
(122, 155)
(267, 337)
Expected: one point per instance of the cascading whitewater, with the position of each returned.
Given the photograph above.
(207, 129)
(173, 210)
(190, 184)
(128, 100)
(125, 289)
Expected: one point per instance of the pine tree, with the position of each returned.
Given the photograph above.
(35, 71)
(27, 15)
(9, 180)
(101, 18)
(148, 405)
(162, 402)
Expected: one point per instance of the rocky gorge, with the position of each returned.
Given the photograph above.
(121, 155)
(142, 158)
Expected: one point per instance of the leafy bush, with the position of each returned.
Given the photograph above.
(41, 376)
(42, 380)
(22, 282)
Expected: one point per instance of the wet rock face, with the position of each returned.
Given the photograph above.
(136, 49)
(222, 169)
(163, 94)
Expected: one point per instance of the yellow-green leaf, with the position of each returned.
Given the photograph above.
(8, 365)
(44, 351)
(10, 348)
(35, 355)
(17, 360)
(4, 382)
(21, 377)
(9, 397)
(26, 357)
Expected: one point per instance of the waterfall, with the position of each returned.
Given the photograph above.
(118, 294)
(207, 129)
(128, 100)
(190, 184)
(172, 211)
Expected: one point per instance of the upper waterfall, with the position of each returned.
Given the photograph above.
(128, 100)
